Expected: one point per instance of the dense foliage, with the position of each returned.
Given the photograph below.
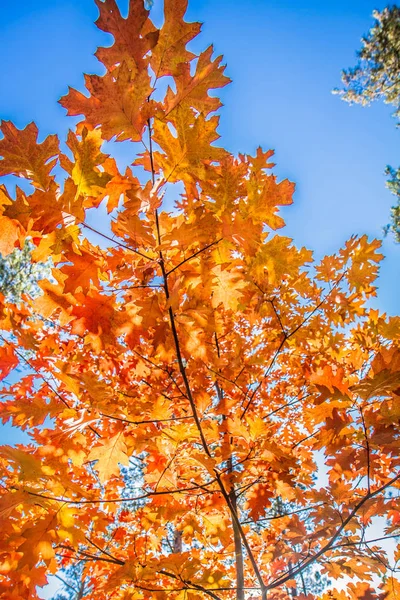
(19, 274)
(187, 381)
(377, 76)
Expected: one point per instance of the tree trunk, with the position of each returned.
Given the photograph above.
(238, 549)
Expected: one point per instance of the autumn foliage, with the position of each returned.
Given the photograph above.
(186, 380)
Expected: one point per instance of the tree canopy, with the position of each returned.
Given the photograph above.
(186, 381)
(19, 274)
(377, 76)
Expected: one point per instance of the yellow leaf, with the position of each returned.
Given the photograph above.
(109, 455)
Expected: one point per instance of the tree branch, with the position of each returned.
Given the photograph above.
(310, 560)
(193, 255)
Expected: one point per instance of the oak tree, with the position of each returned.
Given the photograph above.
(186, 379)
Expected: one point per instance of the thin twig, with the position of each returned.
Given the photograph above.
(193, 255)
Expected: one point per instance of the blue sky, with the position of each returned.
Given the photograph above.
(284, 57)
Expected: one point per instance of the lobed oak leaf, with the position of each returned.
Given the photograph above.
(12, 500)
(54, 299)
(117, 103)
(260, 161)
(9, 227)
(278, 259)
(363, 269)
(26, 411)
(48, 209)
(27, 466)
(52, 244)
(391, 588)
(244, 233)
(258, 427)
(259, 500)
(95, 316)
(227, 288)
(82, 272)
(389, 327)
(182, 431)
(10, 235)
(328, 268)
(135, 230)
(193, 91)
(109, 455)
(284, 490)
(77, 421)
(333, 379)
(161, 409)
(38, 543)
(118, 185)
(237, 427)
(24, 157)
(363, 591)
(84, 170)
(265, 196)
(186, 156)
(205, 461)
(380, 384)
(8, 360)
(194, 342)
(175, 33)
(224, 189)
(216, 525)
(214, 579)
(134, 35)
(161, 342)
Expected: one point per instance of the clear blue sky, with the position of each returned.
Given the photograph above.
(284, 57)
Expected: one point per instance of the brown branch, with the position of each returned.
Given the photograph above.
(362, 542)
(159, 590)
(308, 437)
(199, 428)
(115, 500)
(238, 544)
(281, 516)
(182, 369)
(126, 288)
(193, 407)
(283, 406)
(145, 421)
(110, 239)
(89, 556)
(287, 336)
(267, 372)
(367, 449)
(189, 584)
(277, 316)
(193, 255)
(328, 546)
(231, 381)
(235, 518)
(43, 378)
(66, 583)
(101, 549)
(151, 149)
